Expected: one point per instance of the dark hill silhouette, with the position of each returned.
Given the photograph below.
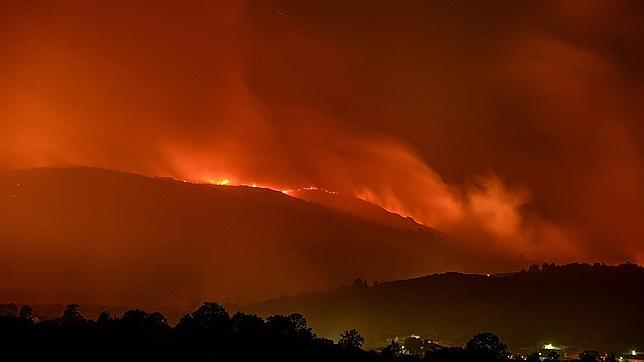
(576, 305)
(96, 236)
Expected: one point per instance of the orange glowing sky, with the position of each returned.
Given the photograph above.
(516, 126)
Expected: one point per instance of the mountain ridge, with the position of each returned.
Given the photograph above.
(158, 241)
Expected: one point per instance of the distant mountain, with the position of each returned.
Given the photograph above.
(96, 236)
(577, 305)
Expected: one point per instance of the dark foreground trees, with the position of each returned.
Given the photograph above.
(208, 334)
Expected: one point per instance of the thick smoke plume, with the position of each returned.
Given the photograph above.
(536, 149)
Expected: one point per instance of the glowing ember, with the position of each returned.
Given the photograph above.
(315, 188)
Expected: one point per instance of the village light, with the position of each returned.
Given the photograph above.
(548, 346)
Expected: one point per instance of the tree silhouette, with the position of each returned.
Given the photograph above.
(351, 339)
(26, 313)
(299, 323)
(289, 328)
(414, 345)
(487, 347)
(248, 336)
(157, 319)
(247, 326)
(72, 313)
(8, 310)
(392, 350)
(105, 317)
(209, 314)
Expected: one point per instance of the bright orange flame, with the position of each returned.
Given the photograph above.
(219, 182)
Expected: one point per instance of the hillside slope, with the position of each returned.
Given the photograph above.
(582, 306)
(96, 236)
(360, 208)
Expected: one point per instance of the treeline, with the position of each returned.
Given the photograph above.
(211, 334)
(207, 334)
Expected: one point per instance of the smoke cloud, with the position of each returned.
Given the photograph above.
(518, 137)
